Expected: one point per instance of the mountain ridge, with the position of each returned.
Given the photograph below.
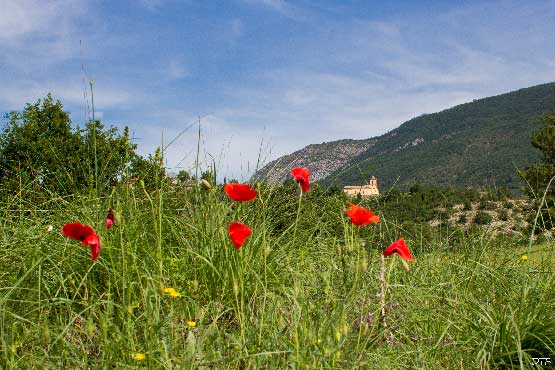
(475, 144)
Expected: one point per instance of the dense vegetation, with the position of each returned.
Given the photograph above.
(169, 289)
(40, 150)
(300, 293)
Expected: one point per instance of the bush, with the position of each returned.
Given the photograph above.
(482, 218)
(486, 204)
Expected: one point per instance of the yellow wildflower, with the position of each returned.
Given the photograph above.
(191, 324)
(524, 257)
(172, 292)
(139, 356)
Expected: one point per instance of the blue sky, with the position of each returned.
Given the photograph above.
(268, 76)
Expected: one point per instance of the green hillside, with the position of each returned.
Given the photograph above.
(477, 144)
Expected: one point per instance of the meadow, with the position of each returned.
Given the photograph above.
(169, 290)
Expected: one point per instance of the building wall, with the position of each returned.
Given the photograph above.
(363, 190)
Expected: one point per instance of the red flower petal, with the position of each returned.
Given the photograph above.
(300, 174)
(240, 192)
(238, 233)
(110, 218)
(94, 243)
(401, 248)
(361, 216)
(77, 231)
(85, 234)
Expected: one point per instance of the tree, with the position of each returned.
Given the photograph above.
(38, 147)
(538, 176)
(183, 177)
(150, 170)
(40, 150)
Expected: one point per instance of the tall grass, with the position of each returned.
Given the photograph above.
(301, 292)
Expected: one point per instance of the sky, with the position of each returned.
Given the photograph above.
(266, 77)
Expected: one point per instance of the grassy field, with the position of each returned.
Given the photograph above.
(302, 292)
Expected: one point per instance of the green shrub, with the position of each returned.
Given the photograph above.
(482, 218)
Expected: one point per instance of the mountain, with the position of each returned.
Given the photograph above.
(476, 144)
(322, 159)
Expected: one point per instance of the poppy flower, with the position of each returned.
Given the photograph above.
(110, 218)
(361, 216)
(85, 234)
(238, 233)
(399, 247)
(300, 174)
(240, 192)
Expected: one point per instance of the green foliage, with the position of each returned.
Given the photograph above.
(539, 176)
(301, 292)
(504, 215)
(150, 170)
(482, 218)
(40, 152)
(544, 140)
(183, 177)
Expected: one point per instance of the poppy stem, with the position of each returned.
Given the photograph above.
(382, 289)
(298, 214)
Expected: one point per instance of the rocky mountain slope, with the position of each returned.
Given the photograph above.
(322, 159)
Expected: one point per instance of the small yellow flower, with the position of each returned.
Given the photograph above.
(139, 356)
(172, 292)
(191, 324)
(524, 257)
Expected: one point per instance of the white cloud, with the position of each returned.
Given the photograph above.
(283, 8)
(20, 18)
(176, 70)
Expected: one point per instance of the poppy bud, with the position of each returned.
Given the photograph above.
(194, 285)
(206, 185)
(345, 329)
(46, 332)
(90, 328)
(405, 265)
(364, 264)
(235, 287)
(364, 328)
(337, 335)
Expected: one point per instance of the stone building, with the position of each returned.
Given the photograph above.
(369, 190)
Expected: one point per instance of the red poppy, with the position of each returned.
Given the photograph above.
(300, 174)
(238, 233)
(85, 234)
(240, 192)
(110, 218)
(361, 216)
(399, 247)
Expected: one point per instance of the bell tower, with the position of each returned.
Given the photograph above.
(374, 182)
